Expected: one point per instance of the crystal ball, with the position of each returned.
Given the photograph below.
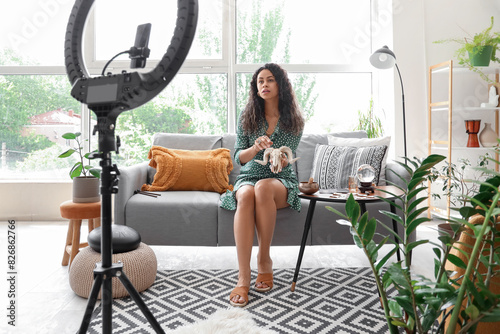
(366, 173)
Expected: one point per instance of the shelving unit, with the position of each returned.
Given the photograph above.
(446, 103)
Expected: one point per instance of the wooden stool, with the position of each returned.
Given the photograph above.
(75, 212)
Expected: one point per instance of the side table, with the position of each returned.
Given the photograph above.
(76, 212)
(317, 197)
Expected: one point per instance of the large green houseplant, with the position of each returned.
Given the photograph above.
(85, 177)
(419, 304)
(475, 49)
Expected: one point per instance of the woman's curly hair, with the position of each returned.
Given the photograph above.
(291, 119)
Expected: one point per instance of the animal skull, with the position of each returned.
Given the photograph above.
(274, 156)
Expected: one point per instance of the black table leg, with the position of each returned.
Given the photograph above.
(395, 229)
(362, 207)
(307, 227)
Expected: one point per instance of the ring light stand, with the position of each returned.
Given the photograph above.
(109, 96)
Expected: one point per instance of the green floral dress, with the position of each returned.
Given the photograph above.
(251, 172)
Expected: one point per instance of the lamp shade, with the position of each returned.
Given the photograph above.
(383, 58)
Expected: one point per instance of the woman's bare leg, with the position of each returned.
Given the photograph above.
(270, 195)
(244, 227)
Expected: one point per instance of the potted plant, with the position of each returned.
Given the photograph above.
(85, 177)
(477, 50)
(457, 183)
(370, 123)
(447, 303)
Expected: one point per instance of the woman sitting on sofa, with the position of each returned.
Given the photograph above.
(271, 118)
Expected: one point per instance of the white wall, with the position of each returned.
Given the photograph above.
(33, 201)
(417, 24)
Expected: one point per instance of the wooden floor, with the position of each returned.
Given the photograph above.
(45, 302)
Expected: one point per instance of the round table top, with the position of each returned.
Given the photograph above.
(380, 191)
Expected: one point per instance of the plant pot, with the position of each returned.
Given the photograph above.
(86, 189)
(445, 229)
(481, 55)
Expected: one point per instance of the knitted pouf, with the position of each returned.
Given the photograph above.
(139, 265)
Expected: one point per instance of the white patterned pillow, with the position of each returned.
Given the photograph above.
(337, 141)
(334, 164)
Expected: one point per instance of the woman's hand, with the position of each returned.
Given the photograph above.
(262, 143)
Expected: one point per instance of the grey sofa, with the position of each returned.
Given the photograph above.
(195, 218)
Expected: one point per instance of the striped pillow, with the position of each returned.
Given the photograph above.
(334, 164)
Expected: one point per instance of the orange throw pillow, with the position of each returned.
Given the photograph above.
(190, 170)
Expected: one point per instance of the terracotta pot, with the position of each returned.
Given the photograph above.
(445, 229)
(86, 189)
(462, 251)
(472, 127)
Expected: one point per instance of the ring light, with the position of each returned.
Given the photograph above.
(110, 95)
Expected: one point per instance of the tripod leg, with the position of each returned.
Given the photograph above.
(107, 304)
(140, 303)
(91, 304)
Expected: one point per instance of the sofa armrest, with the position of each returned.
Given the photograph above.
(390, 174)
(131, 179)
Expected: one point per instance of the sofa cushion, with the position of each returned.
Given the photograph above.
(288, 230)
(228, 141)
(187, 141)
(190, 170)
(186, 218)
(306, 148)
(334, 164)
(359, 142)
(183, 141)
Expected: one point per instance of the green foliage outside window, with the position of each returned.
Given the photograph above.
(25, 96)
(369, 122)
(258, 44)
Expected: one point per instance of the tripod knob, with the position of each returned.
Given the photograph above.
(94, 155)
(115, 169)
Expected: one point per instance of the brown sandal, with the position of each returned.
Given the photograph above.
(241, 291)
(266, 279)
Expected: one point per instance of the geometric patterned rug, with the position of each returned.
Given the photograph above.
(333, 300)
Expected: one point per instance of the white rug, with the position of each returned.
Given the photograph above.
(230, 321)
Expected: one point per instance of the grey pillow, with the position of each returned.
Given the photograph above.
(334, 164)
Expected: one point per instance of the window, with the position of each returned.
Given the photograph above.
(116, 26)
(192, 103)
(35, 111)
(324, 46)
(34, 29)
(294, 33)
